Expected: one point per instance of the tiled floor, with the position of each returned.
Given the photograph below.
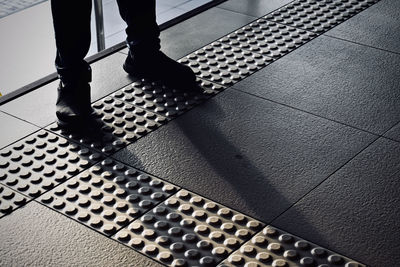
(295, 163)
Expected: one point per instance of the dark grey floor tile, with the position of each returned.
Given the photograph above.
(378, 26)
(200, 30)
(38, 107)
(37, 236)
(108, 76)
(247, 153)
(13, 129)
(394, 133)
(350, 83)
(356, 211)
(256, 8)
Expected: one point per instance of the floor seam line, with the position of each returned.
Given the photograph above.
(16, 117)
(361, 44)
(329, 176)
(308, 112)
(236, 12)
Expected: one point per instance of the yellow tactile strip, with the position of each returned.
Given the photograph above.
(108, 196)
(41, 161)
(189, 230)
(318, 15)
(10, 200)
(275, 247)
(167, 102)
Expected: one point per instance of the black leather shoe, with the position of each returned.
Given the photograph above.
(73, 107)
(157, 66)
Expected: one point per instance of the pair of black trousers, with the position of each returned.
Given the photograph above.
(71, 19)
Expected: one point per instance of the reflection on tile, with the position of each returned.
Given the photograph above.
(256, 8)
(200, 30)
(169, 15)
(190, 5)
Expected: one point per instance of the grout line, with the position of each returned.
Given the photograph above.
(37, 130)
(255, 16)
(236, 12)
(329, 176)
(182, 188)
(308, 112)
(361, 44)
(31, 123)
(29, 199)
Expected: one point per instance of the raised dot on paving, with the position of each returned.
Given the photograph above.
(115, 124)
(10, 200)
(224, 64)
(318, 15)
(41, 161)
(168, 102)
(274, 247)
(189, 230)
(268, 38)
(108, 196)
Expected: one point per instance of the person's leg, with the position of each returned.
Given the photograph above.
(71, 21)
(142, 30)
(145, 60)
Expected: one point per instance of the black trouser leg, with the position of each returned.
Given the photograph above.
(142, 31)
(71, 19)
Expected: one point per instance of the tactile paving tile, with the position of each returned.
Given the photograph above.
(268, 38)
(108, 196)
(189, 230)
(117, 124)
(318, 15)
(162, 100)
(41, 161)
(10, 200)
(224, 64)
(274, 247)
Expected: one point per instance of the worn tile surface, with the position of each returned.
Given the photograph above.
(355, 212)
(255, 156)
(189, 230)
(378, 26)
(335, 79)
(37, 236)
(13, 129)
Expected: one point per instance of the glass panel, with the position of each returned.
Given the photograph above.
(27, 48)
